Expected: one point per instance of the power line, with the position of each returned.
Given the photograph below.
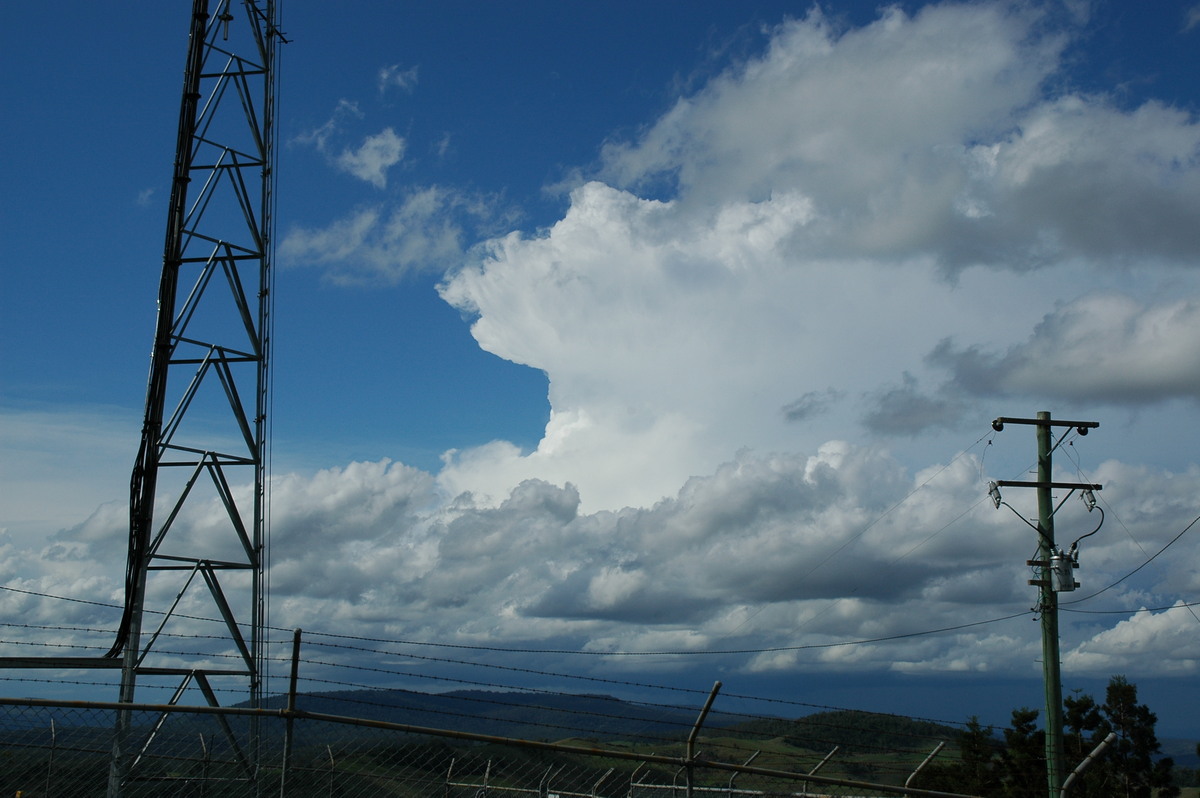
(575, 652)
(1150, 559)
(690, 652)
(855, 538)
(1140, 610)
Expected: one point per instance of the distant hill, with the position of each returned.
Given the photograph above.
(601, 717)
(854, 731)
(505, 714)
(584, 717)
(1183, 751)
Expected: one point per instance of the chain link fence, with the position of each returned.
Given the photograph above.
(66, 750)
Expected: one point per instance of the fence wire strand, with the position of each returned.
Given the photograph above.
(55, 748)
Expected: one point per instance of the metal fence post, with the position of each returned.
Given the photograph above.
(332, 765)
(733, 776)
(291, 708)
(596, 786)
(53, 747)
(691, 741)
(937, 749)
(1087, 761)
(818, 766)
(206, 758)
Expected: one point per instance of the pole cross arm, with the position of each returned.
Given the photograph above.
(1011, 483)
(1082, 426)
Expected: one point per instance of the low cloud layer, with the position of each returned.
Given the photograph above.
(841, 561)
(1100, 348)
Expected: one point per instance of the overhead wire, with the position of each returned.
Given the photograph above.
(655, 706)
(672, 653)
(853, 539)
(1139, 611)
(275, 38)
(856, 537)
(1149, 560)
(652, 728)
(1149, 557)
(1072, 456)
(696, 652)
(445, 661)
(675, 723)
(762, 650)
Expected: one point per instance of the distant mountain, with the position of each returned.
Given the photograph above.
(602, 717)
(505, 714)
(1182, 751)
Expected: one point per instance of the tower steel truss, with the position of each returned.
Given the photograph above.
(195, 593)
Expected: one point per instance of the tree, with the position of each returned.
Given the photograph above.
(1023, 761)
(978, 753)
(1130, 762)
(1082, 722)
(1016, 768)
(1128, 769)
(974, 772)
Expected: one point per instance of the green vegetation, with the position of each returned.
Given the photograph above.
(343, 759)
(1016, 766)
(858, 731)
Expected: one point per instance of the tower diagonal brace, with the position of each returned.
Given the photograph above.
(225, 152)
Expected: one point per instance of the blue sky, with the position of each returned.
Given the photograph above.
(662, 325)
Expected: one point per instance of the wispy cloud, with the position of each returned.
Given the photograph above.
(811, 404)
(906, 409)
(1191, 19)
(397, 77)
(425, 231)
(320, 137)
(370, 160)
(373, 158)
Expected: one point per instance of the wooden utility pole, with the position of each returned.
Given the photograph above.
(1054, 576)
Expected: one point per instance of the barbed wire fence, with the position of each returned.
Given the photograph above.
(333, 733)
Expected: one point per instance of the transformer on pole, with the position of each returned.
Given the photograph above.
(195, 596)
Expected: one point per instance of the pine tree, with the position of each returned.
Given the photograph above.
(974, 772)
(1082, 722)
(1130, 762)
(977, 752)
(1023, 761)
(1017, 768)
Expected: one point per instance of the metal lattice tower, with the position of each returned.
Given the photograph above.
(198, 499)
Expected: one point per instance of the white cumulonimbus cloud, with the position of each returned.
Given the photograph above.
(863, 214)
